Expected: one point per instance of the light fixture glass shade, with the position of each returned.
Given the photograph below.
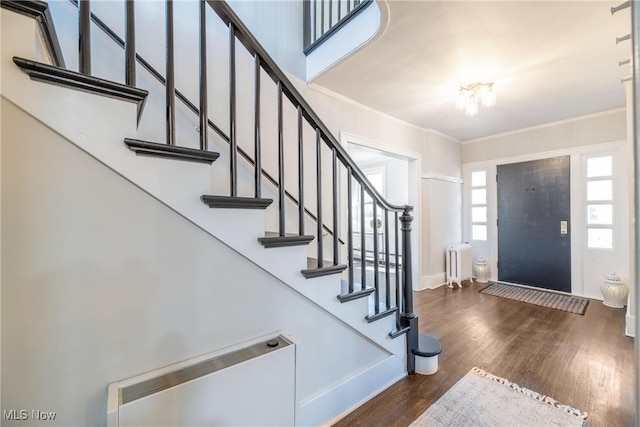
(489, 97)
(472, 107)
(472, 94)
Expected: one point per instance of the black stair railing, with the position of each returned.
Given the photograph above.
(259, 171)
(397, 293)
(322, 18)
(389, 295)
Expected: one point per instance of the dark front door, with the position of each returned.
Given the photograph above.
(534, 233)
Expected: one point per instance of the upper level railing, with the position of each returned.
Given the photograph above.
(322, 18)
(382, 262)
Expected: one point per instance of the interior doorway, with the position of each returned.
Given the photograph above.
(534, 229)
(395, 173)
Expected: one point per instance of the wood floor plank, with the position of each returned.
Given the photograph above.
(583, 361)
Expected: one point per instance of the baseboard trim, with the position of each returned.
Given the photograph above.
(630, 327)
(378, 378)
(432, 282)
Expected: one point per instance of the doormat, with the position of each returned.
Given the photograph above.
(570, 303)
(482, 399)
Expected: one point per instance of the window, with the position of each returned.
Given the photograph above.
(599, 204)
(479, 205)
(377, 178)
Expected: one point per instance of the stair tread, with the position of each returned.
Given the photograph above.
(83, 82)
(274, 240)
(399, 332)
(171, 151)
(356, 294)
(329, 268)
(226, 202)
(377, 316)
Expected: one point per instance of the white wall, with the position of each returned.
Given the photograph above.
(593, 129)
(278, 27)
(441, 205)
(103, 282)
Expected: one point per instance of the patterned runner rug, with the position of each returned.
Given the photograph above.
(480, 399)
(568, 303)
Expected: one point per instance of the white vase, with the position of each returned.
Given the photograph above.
(614, 291)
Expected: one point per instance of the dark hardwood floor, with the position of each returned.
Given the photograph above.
(583, 361)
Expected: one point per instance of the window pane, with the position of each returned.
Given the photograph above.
(479, 214)
(599, 166)
(377, 180)
(479, 196)
(599, 190)
(479, 232)
(479, 179)
(600, 238)
(600, 214)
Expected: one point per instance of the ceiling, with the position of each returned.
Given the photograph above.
(549, 60)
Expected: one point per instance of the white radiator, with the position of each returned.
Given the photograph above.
(458, 263)
(250, 384)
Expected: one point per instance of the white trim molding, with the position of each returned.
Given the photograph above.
(442, 178)
(432, 282)
(630, 328)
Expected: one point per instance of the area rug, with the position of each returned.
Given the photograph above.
(568, 303)
(480, 399)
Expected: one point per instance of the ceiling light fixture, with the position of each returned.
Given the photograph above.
(468, 97)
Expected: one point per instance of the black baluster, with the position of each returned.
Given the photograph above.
(397, 269)
(300, 175)
(256, 129)
(387, 273)
(170, 82)
(363, 241)
(350, 228)
(84, 40)
(321, 17)
(319, 196)
(204, 109)
(130, 44)
(281, 206)
(233, 144)
(376, 279)
(336, 253)
(339, 10)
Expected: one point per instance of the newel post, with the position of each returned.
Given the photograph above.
(407, 317)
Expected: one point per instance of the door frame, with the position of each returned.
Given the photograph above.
(489, 248)
(415, 168)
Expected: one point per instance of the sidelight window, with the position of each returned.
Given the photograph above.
(599, 205)
(479, 205)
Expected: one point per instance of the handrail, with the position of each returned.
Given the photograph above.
(402, 305)
(243, 34)
(191, 106)
(406, 320)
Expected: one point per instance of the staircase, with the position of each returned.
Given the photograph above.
(310, 219)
